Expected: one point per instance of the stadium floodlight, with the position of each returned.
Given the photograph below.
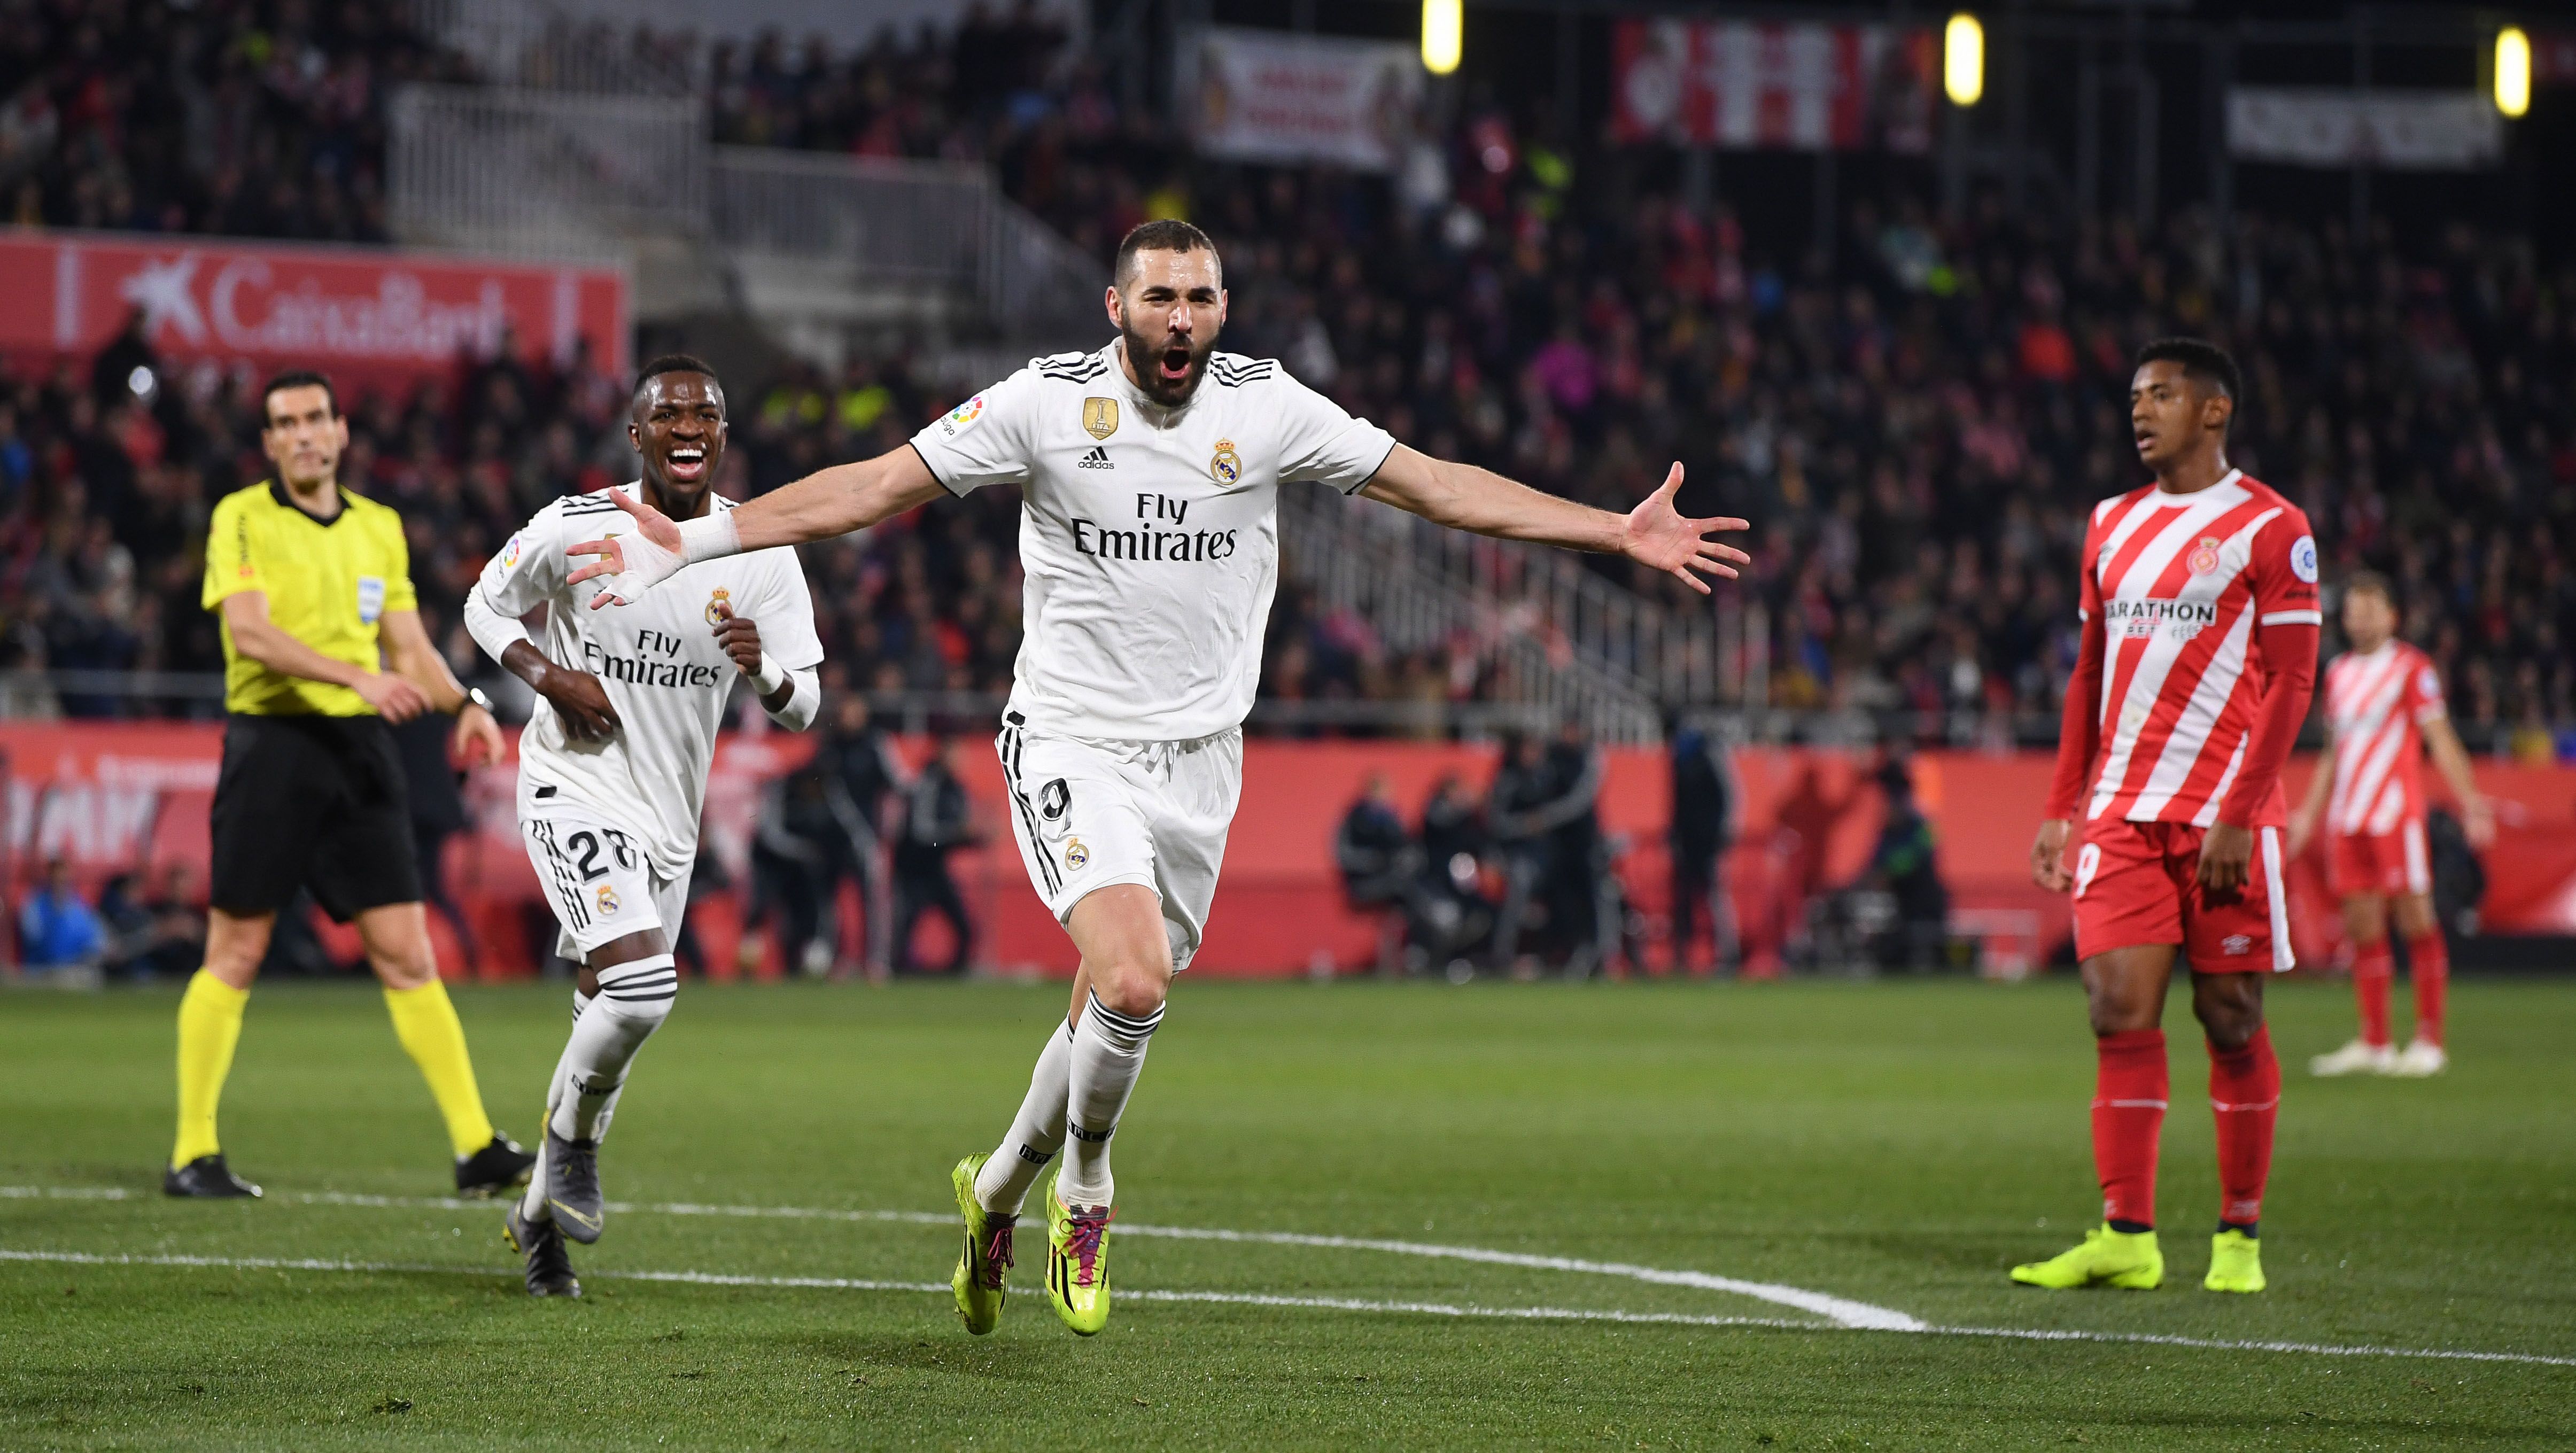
(2512, 71)
(1963, 59)
(1444, 34)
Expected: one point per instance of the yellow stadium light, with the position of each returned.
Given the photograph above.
(1444, 32)
(1963, 59)
(2513, 71)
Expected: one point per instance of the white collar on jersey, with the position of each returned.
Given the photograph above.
(2165, 496)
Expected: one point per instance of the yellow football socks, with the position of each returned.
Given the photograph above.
(426, 1023)
(210, 1021)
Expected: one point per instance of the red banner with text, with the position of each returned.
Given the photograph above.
(363, 315)
(121, 797)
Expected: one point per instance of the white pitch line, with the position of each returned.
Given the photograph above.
(1842, 1310)
(1341, 1304)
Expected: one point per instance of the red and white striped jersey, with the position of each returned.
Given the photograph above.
(2376, 705)
(2180, 582)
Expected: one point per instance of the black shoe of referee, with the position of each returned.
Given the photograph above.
(501, 1166)
(207, 1178)
(572, 1187)
(549, 1260)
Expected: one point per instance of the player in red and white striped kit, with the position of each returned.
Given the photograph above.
(2383, 710)
(2199, 650)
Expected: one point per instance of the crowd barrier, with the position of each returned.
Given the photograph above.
(117, 797)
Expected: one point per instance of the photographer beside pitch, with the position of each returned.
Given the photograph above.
(313, 585)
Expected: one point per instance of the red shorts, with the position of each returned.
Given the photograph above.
(2138, 883)
(2388, 862)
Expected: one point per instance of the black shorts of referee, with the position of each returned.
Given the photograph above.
(311, 801)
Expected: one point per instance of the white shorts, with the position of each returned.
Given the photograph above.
(1089, 814)
(599, 883)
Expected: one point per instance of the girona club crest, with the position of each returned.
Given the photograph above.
(2204, 557)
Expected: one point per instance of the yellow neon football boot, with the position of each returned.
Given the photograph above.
(1078, 1263)
(2128, 1260)
(2235, 1263)
(987, 1257)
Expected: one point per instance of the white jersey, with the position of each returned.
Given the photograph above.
(659, 662)
(1149, 537)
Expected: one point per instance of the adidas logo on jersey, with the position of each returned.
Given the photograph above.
(1098, 458)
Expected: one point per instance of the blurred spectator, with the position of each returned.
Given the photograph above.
(937, 820)
(1556, 869)
(1906, 866)
(157, 931)
(1380, 866)
(1705, 804)
(860, 775)
(58, 931)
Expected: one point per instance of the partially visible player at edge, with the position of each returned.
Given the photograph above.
(2199, 609)
(613, 767)
(2383, 710)
(1150, 471)
(323, 645)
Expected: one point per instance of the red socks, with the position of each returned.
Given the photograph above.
(2245, 1095)
(2128, 1112)
(2371, 970)
(2430, 958)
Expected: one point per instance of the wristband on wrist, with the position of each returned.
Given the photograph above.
(711, 536)
(769, 677)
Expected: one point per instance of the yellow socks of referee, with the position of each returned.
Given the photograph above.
(210, 1021)
(425, 1022)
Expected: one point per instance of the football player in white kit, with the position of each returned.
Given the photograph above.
(1149, 473)
(613, 766)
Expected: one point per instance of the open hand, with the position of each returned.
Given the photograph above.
(582, 703)
(394, 698)
(2224, 853)
(477, 740)
(2048, 857)
(1662, 537)
(633, 563)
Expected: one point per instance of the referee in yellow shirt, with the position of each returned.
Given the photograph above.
(308, 579)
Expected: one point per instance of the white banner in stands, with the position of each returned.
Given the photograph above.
(1265, 95)
(2400, 130)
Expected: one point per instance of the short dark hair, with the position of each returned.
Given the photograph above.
(2203, 362)
(2371, 582)
(1163, 234)
(675, 363)
(297, 378)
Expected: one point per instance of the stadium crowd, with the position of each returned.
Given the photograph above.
(1916, 418)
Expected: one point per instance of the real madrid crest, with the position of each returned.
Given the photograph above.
(1099, 417)
(719, 607)
(607, 900)
(1075, 854)
(1226, 466)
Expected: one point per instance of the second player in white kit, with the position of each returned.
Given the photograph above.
(613, 766)
(1149, 475)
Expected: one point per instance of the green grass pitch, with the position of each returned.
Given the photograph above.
(1894, 1144)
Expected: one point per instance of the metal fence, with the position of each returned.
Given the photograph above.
(537, 44)
(1377, 574)
(515, 170)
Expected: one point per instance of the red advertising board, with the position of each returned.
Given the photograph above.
(112, 797)
(362, 314)
(1738, 83)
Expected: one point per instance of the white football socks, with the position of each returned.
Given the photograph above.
(1108, 1053)
(533, 1204)
(634, 999)
(1037, 1132)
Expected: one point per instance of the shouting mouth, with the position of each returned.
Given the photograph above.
(686, 462)
(1173, 366)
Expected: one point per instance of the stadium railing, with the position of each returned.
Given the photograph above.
(517, 171)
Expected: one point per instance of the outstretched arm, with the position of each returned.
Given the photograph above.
(823, 504)
(1464, 497)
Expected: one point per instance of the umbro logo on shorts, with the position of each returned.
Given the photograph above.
(1098, 458)
(2235, 944)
